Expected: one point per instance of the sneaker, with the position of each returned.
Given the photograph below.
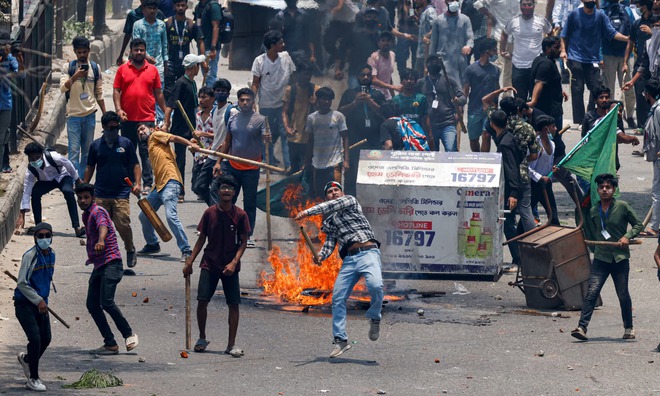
(185, 256)
(374, 330)
(35, 385)
(251, 244)
(131, 259)
(340, 347)
(149, 249)
(105, 350)
(24, 364)
(629, 334)
(7, 169)
(580, 334)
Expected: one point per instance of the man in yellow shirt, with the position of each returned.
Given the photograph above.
(84, 87)
(167, 187)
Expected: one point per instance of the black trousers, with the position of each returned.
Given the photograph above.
(202, 181)
(37, 329)
(520, 79)
(642, 107)
(537, 197)
(42, 188)
(583, 73)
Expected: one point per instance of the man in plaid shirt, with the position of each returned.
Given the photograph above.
(345, 224)
(103, 252)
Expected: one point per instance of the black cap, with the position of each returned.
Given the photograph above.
(43, 226)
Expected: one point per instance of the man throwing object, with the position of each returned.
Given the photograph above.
(345, 224)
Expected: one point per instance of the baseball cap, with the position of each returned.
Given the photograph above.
(192, 60)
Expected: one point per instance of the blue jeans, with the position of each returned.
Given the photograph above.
(81, 135)
(447, 135)
(600, 270)
(212, 75)
(248, 180)
(277, 130)
(168, 196)
(365, 263)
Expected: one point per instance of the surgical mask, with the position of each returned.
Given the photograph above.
(492, 58)
(38, 163)
(453, 6)
(221, 97)
(433, 69)
(44, 243)
(590, 5)
(370, 23)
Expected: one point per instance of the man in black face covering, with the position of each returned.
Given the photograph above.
(114, 158)
(297, 30)
(582, 38)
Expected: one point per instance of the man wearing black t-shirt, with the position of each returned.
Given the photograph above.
(363, 42)
(361, 106)
(637, 45)
(180, 32)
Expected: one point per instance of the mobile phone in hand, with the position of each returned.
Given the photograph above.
(84, 66)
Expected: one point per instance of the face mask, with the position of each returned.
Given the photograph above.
(221, 97)
(433, 69)
(492, 58)
(38, 163)
(453, 6)
(370, 23)
(590, 5)
(44, 243)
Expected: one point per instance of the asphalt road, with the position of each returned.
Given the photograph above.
(482, 341)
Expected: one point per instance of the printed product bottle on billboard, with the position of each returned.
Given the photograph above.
(487, 238)
(471, 246)
(481, 251)
(475, 227)
(463, 231)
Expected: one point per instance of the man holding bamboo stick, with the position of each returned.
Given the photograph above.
(221, 261)
(246, 136)
(345, 224)
(185, 91)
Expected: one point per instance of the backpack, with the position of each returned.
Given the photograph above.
(73, 66)
(412, 135)
(50, 160)
(619, 18)
(226, 21)
(228, 113)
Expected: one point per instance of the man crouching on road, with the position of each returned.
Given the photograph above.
(609, 220)
(358, 247)
(227, 227)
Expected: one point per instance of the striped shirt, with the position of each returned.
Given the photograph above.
(345, 224)
(94, 218)
(204, 126)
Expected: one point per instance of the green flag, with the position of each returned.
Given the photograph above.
(595, 154)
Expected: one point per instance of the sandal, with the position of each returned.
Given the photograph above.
(650, 233)
(235, 352)
(132, 342)
(201, 344)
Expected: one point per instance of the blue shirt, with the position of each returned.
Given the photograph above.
(582, 31)
(155, 35)
(41, 276)
(10, 65)
(112, 164)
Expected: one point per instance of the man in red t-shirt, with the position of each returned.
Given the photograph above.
(229, 226)
(137, 88)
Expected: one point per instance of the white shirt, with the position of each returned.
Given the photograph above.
(326, 129)
(542, 166)
(527, 37)
(274, 77)
(502, 10)
(47, 173)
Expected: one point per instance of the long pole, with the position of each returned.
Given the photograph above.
(9, 274)
(242, 160)
(188, 321)
(267, 154)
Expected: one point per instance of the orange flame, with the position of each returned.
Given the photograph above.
(293, 274)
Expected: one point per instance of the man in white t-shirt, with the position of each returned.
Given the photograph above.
(501, 12)
(527, 31)
(328, 142)
(270, 76)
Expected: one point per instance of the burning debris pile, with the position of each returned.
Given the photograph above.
(293, 276)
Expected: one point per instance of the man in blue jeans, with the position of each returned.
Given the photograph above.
(608, 221)
(345, 224)
(246, 135)
(167, 188)
(441, 100)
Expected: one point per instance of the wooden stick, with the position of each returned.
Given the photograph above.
(564, 129)
(188, 321)
(185, 116)
(9, 274)
(615, 244)
(267, 155)
(309, 243)
(242, 160)
(648, 217)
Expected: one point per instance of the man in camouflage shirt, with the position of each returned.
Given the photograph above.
(525, 138)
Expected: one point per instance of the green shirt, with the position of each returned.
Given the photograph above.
(616, 221)
(412, 107)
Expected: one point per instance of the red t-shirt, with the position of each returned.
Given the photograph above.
(137, 90)
(223, 231)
